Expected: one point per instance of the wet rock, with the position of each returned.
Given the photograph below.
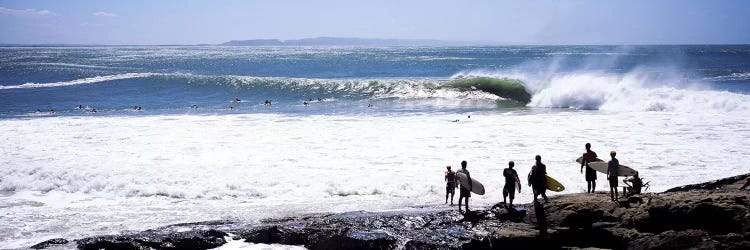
(688, 239)
(731, 183)
(197, 239)
(49, 243)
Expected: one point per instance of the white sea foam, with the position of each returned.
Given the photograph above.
(89, 80)
(738, 76)
(78, 176)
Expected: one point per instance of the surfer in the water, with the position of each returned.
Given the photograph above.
(450, 184)
(612, 169)
(589, 156)
(538, 179)
(464, 192)
(511, 181)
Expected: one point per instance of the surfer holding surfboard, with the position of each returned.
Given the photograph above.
(538, 179)
(511, 182)
(465, 190)
(588, 157)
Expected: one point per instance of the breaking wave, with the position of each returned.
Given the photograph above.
(586, 90)
(632, 91)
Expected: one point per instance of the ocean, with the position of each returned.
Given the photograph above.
(182, 134)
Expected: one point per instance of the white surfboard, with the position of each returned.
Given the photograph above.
(476, 186)
(623, 170)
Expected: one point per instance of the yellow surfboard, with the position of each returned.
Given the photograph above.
(554, 185)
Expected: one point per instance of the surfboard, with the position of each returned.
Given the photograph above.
(476, 186)
(601, 166)
(554, 185)
(580, 159)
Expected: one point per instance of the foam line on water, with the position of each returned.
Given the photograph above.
(89, 80)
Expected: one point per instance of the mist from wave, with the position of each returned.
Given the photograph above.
(662, 88)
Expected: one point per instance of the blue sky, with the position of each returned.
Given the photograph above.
(506, 22)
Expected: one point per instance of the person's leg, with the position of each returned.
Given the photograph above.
(588, 190)
(593, 186)
(616, 195)
(447, 192)
(452, 198)
(467, 204)
(544, 195)
(460, 197)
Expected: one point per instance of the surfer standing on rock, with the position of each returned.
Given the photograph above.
(612, 169)
(589, 156)
(538, 179)
(450, 184)
(511, 181)
(464, 191)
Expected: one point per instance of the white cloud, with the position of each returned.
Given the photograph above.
(105, 14)
(26, 12)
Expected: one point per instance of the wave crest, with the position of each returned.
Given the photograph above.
(89, 80)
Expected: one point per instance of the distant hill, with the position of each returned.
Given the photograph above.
(338, 41)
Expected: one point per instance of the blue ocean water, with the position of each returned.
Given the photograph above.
(335, 80)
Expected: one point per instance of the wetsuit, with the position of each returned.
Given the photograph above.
(510, 183)
(464, 191)
(612, 169)
(450, 178)
(589, 157)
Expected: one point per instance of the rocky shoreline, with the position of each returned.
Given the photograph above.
(702, 216)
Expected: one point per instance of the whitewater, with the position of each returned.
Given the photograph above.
(388, 122)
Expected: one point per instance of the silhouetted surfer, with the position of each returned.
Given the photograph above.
(589, 156)
(511, 181)
(538, 179)
(464, 192)
(450, 184)
(635, 188)
(612, 169)
(236, 100)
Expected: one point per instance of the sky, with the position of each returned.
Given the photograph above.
(141, 22)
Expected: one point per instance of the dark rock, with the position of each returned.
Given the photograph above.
(731, 183)
(688, 239)
(196, 239)
(48, 243)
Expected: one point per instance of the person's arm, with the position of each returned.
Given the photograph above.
(518, 180)
(609, 166)
(583, 162)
